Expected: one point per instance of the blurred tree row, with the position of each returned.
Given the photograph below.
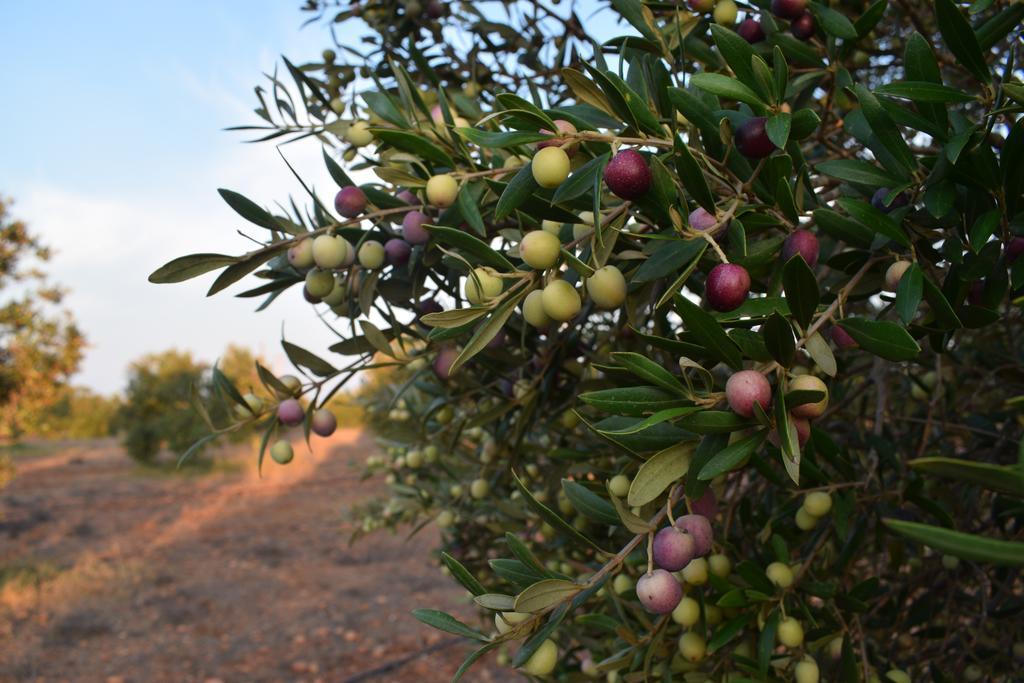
(40, 345)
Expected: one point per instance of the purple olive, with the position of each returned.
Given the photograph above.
(699, 528)
(673, 549)
(413, 231)
(802, 242)
(659, 592)
(323, 422)
(397, 251)
(727, 286)
(290, 412)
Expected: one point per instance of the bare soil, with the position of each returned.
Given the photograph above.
(110, 573)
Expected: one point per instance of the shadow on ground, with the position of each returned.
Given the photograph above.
(113, 576)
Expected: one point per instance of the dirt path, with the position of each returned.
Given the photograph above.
(120, 577)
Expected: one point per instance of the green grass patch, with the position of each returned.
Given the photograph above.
(25, 573)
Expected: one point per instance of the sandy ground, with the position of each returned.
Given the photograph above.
(111, 574)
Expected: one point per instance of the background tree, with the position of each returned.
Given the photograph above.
(704, 330)
(79, 413)
(40, 346)
(157, 407)
(172, 398)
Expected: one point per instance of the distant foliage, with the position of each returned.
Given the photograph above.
(79, 413)
(40, 345)
(160, 403)
(157, 408)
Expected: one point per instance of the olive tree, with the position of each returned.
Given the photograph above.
(703, 338)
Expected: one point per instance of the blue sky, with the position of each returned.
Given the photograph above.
(113, 147)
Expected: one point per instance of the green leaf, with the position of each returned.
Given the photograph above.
(730, 88)
(962, 545)
(249, 210)
(515, 571)
(777, 126)
(462, 575)
(447, 623)
(843, 228)
(738, 54)
(708, 332)
(480, 252)
(1011, 160)
(668, 258)
(960, 39)
(499, 602)
(384, 106)
(586, 91)
(582, 180)
(455, 318)
(489, 330)
(784, 198)
(187, 267)
(867, 21)
(520, 106)
(858, 172)
(525, 555)
(713, 422)
(633, 401)
(630, 520)
(549, 516)
(649, 371)
(537, 639)
(692, 176)
(633, 12)
(805, 121)
(780, 73)
(923, 91)
(337, 173)
(637, 104)
(797, 51)
(920, 65)
(656, 419)
(413, 143)
(821, 354)
(778, 338)
(764, 84)
(471, 659)
(727, 631)
(944, 314)
(832, 22)
(468, 204)
(908, 294)
(884, 129)
(518, 190)
(301, 357)
(766, 642)
(801, 290)
(788, 438)
(243, 267)
(543, 594)
(732, 457)
(874, 219)
(658, 472)
(1002, 478)
(589, 504)
(1000, 25)
(501, 139)
(882, 338)
(377, 339)
(694, 109)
